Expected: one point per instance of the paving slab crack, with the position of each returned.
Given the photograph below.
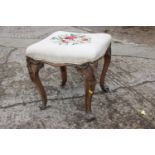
(8, 55)
(75, 97)
(133, 56)
(132, 86)
(3, 46)
(10, 46)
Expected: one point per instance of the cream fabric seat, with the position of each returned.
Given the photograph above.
(70, 48)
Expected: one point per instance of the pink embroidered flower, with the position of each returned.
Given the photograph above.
(71, 37)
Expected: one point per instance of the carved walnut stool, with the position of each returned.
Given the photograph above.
(67, 48)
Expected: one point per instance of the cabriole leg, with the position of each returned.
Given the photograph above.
(107, 59)
(90, 82)
(33, 68)
(63, 70)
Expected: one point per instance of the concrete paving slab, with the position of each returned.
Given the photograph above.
(133, 50)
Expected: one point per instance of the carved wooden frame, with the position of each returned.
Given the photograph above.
(87, 70)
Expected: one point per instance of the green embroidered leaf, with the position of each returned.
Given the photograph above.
(54, 38)
(73, 34)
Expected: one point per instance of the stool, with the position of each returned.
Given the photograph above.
(80, 50)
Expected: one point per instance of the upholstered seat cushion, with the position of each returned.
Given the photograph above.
(69, 47)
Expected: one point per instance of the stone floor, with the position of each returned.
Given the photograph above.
(131, 78)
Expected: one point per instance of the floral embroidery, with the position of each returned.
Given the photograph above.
(72, 39)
